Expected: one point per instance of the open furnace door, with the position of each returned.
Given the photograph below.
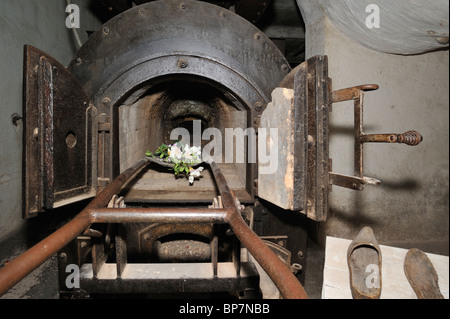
(59, 136)
(299, 118)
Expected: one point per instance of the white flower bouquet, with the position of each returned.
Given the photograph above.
(181, 158)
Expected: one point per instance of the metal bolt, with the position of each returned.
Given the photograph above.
(257, 121)
(296, 268)
(106, 101)
(222, 14)
(105, 30)
(182, 63)
(142, 11)
(63, 255)
(300, 253)
(285, 67)
(183, 6)
(257, 36)
(258, 106)
(79, 60)
(280, 243)
(310, 140)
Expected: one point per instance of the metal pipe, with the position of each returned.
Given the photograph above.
(20, 267)
(281, 275)
(158, 215)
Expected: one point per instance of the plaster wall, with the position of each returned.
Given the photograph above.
(411, 205)
(41, 24)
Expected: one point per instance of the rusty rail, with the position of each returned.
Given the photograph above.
(20, 267)
(157, 215)
(95, 212)
(281, 275)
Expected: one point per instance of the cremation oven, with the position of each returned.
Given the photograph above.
(157, 67)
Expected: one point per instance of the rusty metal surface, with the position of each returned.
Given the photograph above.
(352, 93)
(301, 115)
(155, 215)
(95, 212)
(353, 182)
(20, 267)
(58, 136)
(317, 104)
(281, 275)
(173, 279)
(356, 94)
(411, 138)
(45, 104)
(143, 47)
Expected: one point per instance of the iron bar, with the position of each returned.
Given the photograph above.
(353, 182)
(352, 93)
(157, 215)
(359, 131)
(278, 271)
(281, 275)
(20, 267)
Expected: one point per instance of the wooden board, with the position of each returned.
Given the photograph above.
(336, 283)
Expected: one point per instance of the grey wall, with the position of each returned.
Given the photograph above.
(411, 205)
(405, 27)
(41, 24)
